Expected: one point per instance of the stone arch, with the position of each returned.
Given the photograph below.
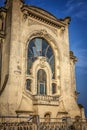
(41, 82)
(51, 41)
(47, 117)
(45, 35)
(41, 63)
(42, 33)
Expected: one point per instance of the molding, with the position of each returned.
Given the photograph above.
(42, 15)
(23, 111)
(44, 34)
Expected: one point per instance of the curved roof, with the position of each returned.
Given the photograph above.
(44, 16)
(42, 11)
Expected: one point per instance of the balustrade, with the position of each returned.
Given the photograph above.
(46, 99)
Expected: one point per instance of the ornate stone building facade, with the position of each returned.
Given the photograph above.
(37, 69)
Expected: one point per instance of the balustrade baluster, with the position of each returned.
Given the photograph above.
(61, 125)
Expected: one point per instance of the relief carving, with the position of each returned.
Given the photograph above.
(42, 62)
(31, 22)
(25, 15)
(54, 31)
(61, 32)
(42, 33)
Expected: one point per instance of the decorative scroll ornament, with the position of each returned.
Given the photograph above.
(43, 62)
(25, 15)
(42, 33)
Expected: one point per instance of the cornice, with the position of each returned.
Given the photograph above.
(42, 16)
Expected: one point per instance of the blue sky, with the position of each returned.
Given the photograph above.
(77, 10)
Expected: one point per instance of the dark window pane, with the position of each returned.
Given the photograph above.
(42, 88)
(53, 88)
(35, 52)
(38, 44)
(49, 52)
(28, 84)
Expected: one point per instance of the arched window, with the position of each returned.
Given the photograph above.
(39, 47)
(41, 82)
(28, 84)
(47, 117)
(40, 67)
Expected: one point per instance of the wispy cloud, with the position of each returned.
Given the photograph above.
(69, 3)
(36, 2)
(76, 9)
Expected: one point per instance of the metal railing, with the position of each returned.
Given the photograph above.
(36, 123)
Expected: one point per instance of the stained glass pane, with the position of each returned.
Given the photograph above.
(51, 62)
(49, 52)
(35, 52)
(38, 44)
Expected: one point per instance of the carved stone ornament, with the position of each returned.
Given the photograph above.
(31, 22)
(25, 15)
(38, 14)
(62, 29)
(42, 33)
(43, 62)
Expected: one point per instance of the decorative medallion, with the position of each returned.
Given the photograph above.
(43, 62)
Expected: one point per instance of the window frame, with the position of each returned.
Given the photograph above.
(53, 78)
